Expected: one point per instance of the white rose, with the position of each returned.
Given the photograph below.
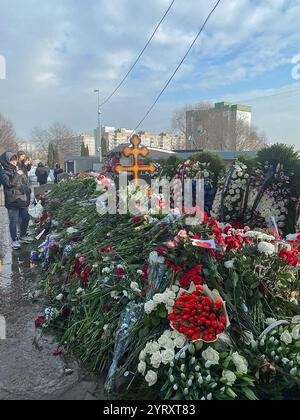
(298, 359)
(180, 341)
(168, 334)
(241, 363)
(229, 264)
(296, 332)
(286, 338)
(211, 356)
(270, 321)
(164, 341)
(151, 378)
(60, 297)
(230, 377)
(142, 367)
(135, 287)
(156, 359)
(167, 356)
(175, 289)
(143, 355)
(296, 320)
(106, 270)
(79, 291)
(152, 347)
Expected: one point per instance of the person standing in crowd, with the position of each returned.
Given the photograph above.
(42, 173)
(57, 171)
(24, 164)
(16, 190)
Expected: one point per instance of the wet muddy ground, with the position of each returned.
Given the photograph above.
(29, 371)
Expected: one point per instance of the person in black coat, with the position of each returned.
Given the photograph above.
(16, 189)
(57, 171)
(24, 164)
(42, 173)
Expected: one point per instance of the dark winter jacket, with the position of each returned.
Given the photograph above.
(42, 174)
(56, 173)
(16, 188)
(24, 168)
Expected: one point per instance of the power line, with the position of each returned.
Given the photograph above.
(178, 67)
(273, 94)
(140, 55)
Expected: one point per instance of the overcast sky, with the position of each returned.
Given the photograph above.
(58, 51)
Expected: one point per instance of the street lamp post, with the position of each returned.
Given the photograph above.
(99, 124)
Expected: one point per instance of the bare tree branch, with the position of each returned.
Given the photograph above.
(8, 138)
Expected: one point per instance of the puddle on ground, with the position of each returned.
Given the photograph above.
(27, 371)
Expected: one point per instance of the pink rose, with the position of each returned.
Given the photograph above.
(171, 244)
(182, 234)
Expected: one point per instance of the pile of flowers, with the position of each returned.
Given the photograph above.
(144, 297)
(256, 197)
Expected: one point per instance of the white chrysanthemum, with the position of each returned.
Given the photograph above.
(150, 307)
(266, 248)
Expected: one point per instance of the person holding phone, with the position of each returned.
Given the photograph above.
(16, 191)
(24, 164)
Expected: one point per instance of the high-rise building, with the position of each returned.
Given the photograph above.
(116, 137)
(72, 146)
(219, 128)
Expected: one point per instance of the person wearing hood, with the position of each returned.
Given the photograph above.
(15, 184)
(42, 173)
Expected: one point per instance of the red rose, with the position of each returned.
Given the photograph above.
(106, 309)
(39, 321)
(136, 219)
